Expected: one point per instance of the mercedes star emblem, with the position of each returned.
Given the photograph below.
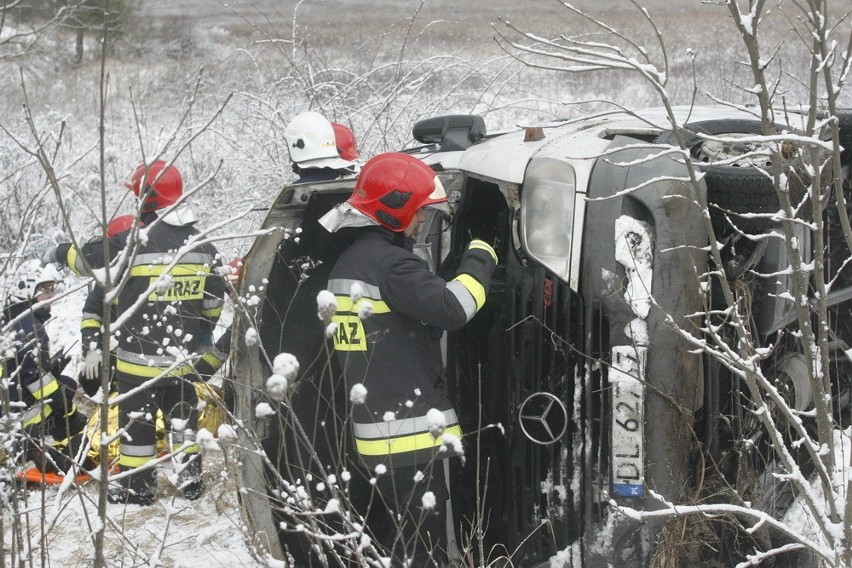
(543, 418)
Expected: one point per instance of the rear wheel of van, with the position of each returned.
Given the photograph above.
(742, 194)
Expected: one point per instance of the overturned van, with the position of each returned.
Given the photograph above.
(581, 398)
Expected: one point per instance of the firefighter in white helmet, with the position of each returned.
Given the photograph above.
(49, 415)
(313, 149)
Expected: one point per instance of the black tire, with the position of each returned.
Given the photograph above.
(742, 191)
(733, 189)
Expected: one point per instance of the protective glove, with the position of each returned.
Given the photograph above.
(58, 362)
(92, 365)
(49, 256)
(482, 245)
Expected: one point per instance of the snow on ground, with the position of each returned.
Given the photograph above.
(173, 533)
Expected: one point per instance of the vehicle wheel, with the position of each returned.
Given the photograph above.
(734, 189)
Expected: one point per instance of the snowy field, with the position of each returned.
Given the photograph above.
(360, 62)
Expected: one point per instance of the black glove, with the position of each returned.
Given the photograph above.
(58, 363)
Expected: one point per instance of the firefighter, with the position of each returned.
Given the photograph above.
(34, 378)
(92, 321)
(312, 145)
(344, 138)
(391, 312)
(182, 296)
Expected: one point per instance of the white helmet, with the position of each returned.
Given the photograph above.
(30, 276)
(310, 140)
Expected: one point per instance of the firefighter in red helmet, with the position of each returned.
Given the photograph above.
(347, 148)
(390, 316)
(159, 338)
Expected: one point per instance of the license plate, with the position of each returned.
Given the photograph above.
(628, 420)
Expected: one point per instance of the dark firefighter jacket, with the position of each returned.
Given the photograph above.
(396, 352)
(215, 356)
(173, 301)
(29, 368)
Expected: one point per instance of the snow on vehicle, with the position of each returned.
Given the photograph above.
(600, 402)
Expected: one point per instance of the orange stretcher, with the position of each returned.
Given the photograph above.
(35, 475)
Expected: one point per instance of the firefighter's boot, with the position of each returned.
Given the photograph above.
(138, 488)
(190, 481)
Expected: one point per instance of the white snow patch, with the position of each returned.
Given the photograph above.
(286, 365)
(251, 336)
(358, 394)
(263, 409)
(276, 387)
(437, 422)
(429, 501)
(326, 305)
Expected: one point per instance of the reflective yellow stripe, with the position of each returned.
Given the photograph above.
(482, 245)
(212, 360)
(177, 270)
(473, 286)
(71, 260)
(90, 323)
(150, 372)
(45, 411)
(212, 312)
(134, 461)
(403, 444)
(189, 450)
(345, 304)
(47, 390)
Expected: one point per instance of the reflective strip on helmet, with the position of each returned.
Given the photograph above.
(394, 428)
(35, 414)
(404, 444)
(45, 386)
(464, 296)
(136, 456)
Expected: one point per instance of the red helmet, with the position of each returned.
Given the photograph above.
(162, 187)
(120, 224)
(235, 271)
(392, 187)
(345, 140)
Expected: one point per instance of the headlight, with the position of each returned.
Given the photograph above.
(547, 213)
